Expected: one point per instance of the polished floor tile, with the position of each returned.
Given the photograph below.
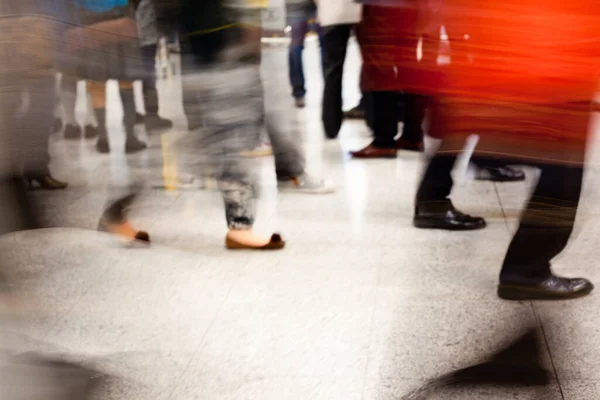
(360, 305)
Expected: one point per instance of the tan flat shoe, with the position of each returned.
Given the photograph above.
(276, 243)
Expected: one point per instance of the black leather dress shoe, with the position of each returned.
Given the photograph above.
(447, 218)
(500, 174)
(552, 288)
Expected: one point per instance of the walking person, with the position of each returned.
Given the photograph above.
(222, 98)
(338, 19)
(300, 14)
(523, 80)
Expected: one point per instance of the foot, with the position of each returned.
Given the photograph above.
(72, 132)
(307, 184)
(46, 182)
(154, 121)
(125, 230)
(443, 215)
(56, 125)
(374, 152)
(102, 145)
(90, 131)
(262, 150)
(551, 288)
(134, 145)
(248, 239)
(402, 144)
(300, 103)
(355, 113)
(500, 174)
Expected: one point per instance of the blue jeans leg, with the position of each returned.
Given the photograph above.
(299, 30)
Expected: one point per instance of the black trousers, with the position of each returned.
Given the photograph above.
(384, 110)
(149, 81)
(335, 43)
(437, 182)
(546, 223)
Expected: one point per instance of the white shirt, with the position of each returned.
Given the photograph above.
(339, 12)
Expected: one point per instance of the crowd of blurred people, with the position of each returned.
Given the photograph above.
(522, 76)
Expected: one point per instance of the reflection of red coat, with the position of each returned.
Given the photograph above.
(389, 37)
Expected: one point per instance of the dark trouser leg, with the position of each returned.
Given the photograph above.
(132, 143)
(34, 126)
(436, 184)
(149, 81)
(384, 119)
(546, 224)
(335, 39)
(17, 209)
(224, 107)
(296, 69)
(414, 114)
(128, 99)
(366, 104)
(281, 120)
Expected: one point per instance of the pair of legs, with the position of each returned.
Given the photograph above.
(382, 110)
(547, 220)
(283, 129)
(335, 44)
(300, 27)
(32, 115)
(65, 112)
(225, 111)
(97, 107)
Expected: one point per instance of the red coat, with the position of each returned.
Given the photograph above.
(521, 72)
(522, 76)
(389, 37)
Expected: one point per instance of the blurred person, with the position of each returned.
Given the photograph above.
(222, 98)
(28, 93)
(283, 131)
(299, 15)
(31, 33)
(338, 19)
(149, 38)
(388, 39)
(392, 74)
(105, 46)
(522, 76)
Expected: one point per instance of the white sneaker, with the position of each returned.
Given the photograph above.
(307, 184)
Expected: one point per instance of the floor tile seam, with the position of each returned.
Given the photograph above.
(203, 338)
(371, 334)
(505, 217)
(547, 345)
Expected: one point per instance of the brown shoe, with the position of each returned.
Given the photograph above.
(402, 144)
(276, 243)
(374, 152)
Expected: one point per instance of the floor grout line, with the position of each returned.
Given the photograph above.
(539, 319)
(504, 216)
(371, 331)
(202, 339)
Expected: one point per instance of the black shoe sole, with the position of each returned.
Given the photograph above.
(430, 223)
(508, 292)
